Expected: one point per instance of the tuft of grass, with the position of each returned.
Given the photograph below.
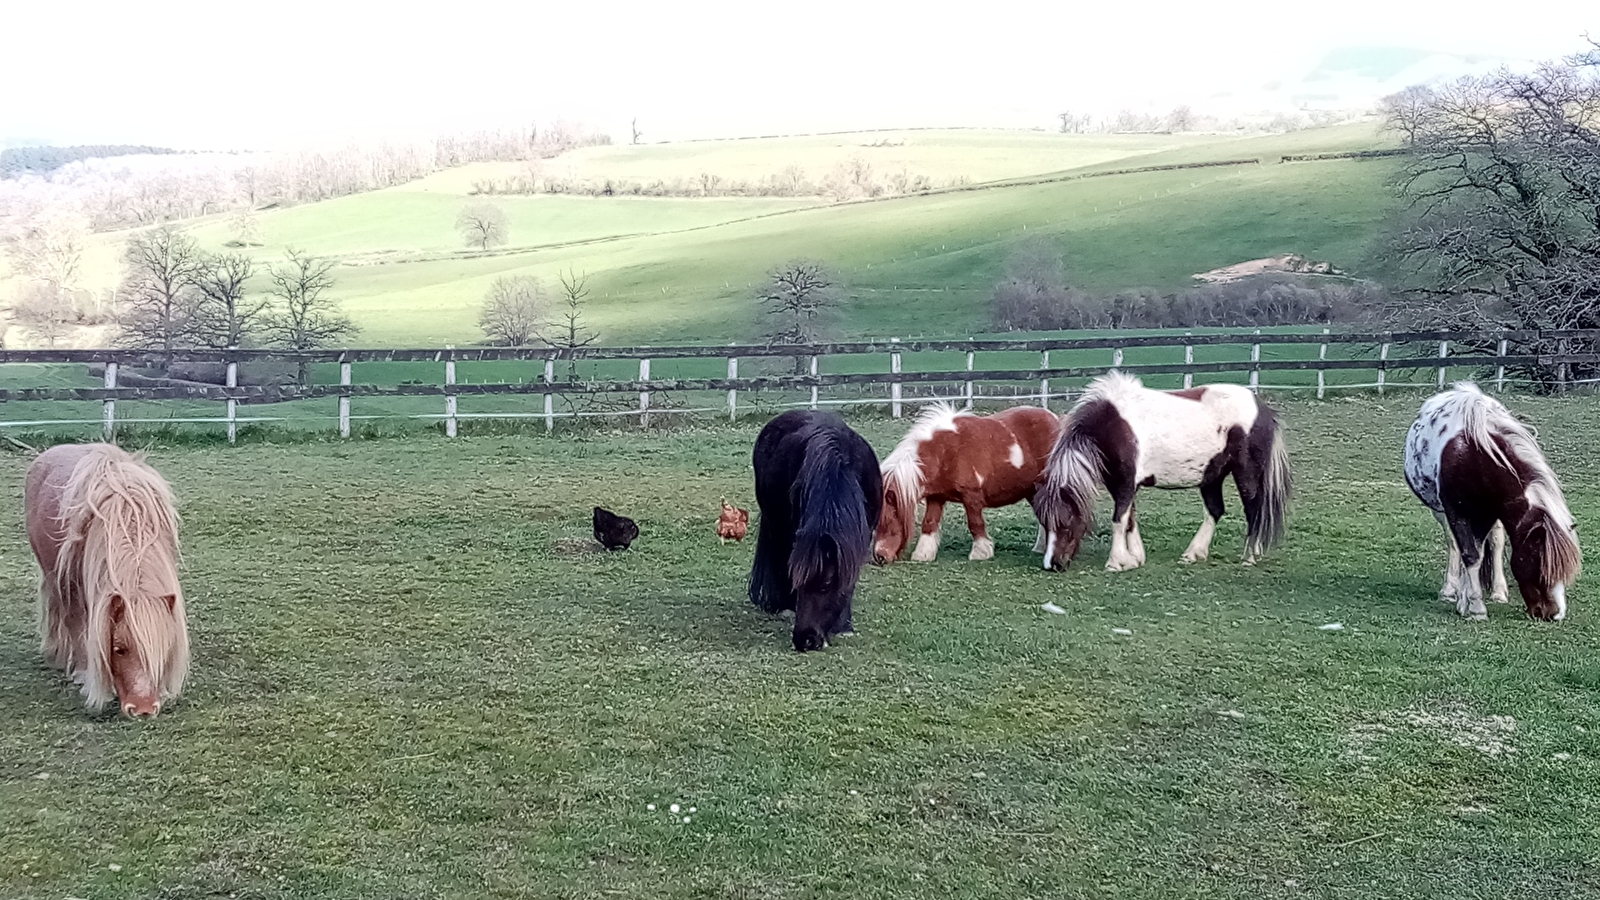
(408, 682)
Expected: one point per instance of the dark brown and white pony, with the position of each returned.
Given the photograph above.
(1122, 436)
(1481, 472)
(950, 456)
(104, 529)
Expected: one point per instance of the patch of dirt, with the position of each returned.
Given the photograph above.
(1288, 263)
(1452, 723)
(576, 546)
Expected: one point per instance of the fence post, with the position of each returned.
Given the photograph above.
(1444, 350)
(733, 395)
(969, 380)
(233, 405)
(1188, 360)
(344, 398)
(450, 399)
(644, 395)
(1116, 358)
(110, 405)
(1383, 367)
(1255, 370)
(1044, 383)
(813, 387)
(894, 387)
(549, 398)
(1500, 373)
(1322, 354)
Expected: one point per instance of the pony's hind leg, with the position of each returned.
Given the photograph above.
(1496, 576)
(1451, 590)
(982, 544)
(1469, 599)
(1135, 541)
(928, 541)
(1200, 547)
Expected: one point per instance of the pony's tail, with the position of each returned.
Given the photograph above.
(1277, 486)
(833, 537)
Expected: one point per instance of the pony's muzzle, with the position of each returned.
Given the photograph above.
(137, 711)
(878, 559)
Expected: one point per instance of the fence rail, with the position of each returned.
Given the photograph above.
(1362, 351)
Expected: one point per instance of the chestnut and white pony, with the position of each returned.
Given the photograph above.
(1481, 472)
(105, 532)
(1123, 436)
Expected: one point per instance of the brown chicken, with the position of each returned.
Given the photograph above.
(733, 522)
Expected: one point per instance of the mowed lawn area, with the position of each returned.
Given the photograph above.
(414, 680)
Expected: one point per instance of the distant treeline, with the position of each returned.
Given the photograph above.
(15, 161)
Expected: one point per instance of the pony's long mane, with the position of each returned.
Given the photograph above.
(1484, 420)
(122, 540)
(833, 511)
(1075, 469)
(902, 469)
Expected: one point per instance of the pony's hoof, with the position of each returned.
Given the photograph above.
(927, 548)
(982, 549)
(1499, 598)
(1192, 558)
(1121, 566)
(1479, 616)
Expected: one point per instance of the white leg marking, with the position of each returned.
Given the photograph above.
(982, 548)
(1038, 542)
(1135, 543)
(1470, 601)
(927, 548)
(1120, 559)
(1200, 547)
(1452, 578)
(1016, 455)
(1560, 593)
(1498, 592)
(1049, 548)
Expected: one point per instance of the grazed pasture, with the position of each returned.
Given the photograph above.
(413, 680)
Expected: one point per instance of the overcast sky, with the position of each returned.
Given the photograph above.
(214, 75)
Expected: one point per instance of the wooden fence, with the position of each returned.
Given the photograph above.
(1042, 383)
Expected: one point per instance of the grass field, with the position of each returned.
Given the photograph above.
(685, 269)
(413, 681)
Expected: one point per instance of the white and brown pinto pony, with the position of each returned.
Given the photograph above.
(1122, 436)
(1481, 472)
(105, 532)
(950, 456)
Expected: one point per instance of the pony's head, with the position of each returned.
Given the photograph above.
(1545, 559)
(895, 524)
(144, 652)
(824, 585)
(1063, 518)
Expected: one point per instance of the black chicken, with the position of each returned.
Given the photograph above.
(614, 532)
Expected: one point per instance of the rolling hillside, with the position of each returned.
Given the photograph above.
(683, 269)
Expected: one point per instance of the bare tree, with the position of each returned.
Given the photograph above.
(483, 224)
(246, 230)
(513, 310)
(304, 317)
(158, 295)
(636, 132)
(225, 316)
(45, 311)
(799, 296)
(568, 330)
(48, 246)
(1181, 118)
(1501, 225)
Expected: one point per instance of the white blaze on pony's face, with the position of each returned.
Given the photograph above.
(132, 675)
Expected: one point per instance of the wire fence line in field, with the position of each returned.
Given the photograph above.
(42, 389)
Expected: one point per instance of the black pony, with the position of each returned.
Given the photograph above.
(819, 492)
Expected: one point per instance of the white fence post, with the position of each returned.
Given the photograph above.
(1322, 354)
(1188, 360)
(1044, 383)
(1116, 358)
(549, 398)
(969, 380)
(813, 387)
(450, 399)
(894, 387)
(110, 406)
(233, 405)
(1255, 369)
(644, 395)
(1444, 350)
(1500, 373)
(1383, 370)
(733, 395)
(344, 398)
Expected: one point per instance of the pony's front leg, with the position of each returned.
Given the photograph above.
(1135, 542)
(928, 542)
(1200, 547)
(1469, 596)
(1121, 558)
(1038, 542)
(982, 546)
(1498, 591)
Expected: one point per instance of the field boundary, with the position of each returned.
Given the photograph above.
(863, 373)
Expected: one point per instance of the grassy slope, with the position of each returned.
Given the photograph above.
(666, 270)
(418, 692)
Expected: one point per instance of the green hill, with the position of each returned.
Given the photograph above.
(680, 269)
